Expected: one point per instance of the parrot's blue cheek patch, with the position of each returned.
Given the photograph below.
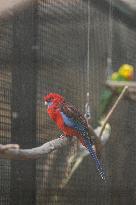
(49, 103)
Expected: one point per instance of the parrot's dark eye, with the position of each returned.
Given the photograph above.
(50, 99)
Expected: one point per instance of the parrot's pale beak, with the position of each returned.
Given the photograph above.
(45, 103)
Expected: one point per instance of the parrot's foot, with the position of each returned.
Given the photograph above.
(62, 136)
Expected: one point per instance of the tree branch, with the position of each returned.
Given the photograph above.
(12, 151)
(117, 84)
(131, 94)
(4, 148)
(112, 109)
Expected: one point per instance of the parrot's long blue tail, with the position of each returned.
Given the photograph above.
(94, 156)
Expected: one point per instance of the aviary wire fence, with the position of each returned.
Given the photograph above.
(44, 48)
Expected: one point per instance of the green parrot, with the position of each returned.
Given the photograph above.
(124, 73)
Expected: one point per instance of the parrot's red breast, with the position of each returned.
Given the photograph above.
(55, 115)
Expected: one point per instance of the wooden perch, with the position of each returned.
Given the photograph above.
(131, 94)
(4, 148)
(116, 84)
(12, 151)
(107, 118)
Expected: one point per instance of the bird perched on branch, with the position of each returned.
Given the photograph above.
(72, 123)
(124, 73)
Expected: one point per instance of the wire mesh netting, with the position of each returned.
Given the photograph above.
(5, 106)
(44, 48)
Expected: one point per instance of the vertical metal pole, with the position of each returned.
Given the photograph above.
(23, 188)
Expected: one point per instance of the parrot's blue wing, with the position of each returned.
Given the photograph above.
(73, 113)
(81, 127)
(70, 122)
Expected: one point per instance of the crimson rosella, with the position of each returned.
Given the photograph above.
(72, 123)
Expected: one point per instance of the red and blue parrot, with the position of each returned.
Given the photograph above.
(72, 123)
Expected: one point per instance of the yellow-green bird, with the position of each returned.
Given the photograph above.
(124, 73)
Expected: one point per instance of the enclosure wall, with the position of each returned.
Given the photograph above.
(44, 48)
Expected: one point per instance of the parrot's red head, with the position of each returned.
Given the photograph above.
(53, 98)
